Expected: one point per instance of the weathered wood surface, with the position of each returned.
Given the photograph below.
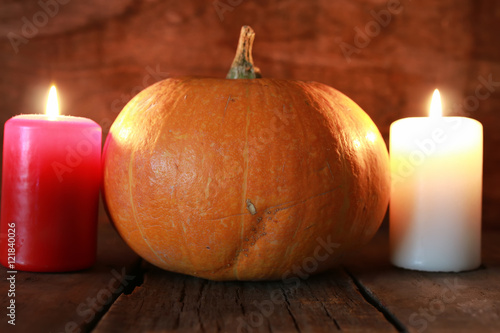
(71, 302)
(170, 302)
(364, 294)
(433, 302)
(102, 52)
(353, 298)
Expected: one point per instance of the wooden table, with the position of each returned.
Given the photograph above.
(121, 293)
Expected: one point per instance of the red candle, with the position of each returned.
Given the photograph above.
(50, 192)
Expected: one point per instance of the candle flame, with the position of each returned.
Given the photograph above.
(52, 109)
(436, 109)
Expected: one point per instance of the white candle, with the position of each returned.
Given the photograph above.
(435, 209)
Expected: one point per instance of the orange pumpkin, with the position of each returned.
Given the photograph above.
(244, 179)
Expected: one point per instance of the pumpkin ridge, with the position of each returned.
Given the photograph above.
(132, 205)
(187, 251)
(244, 191)
(181, 223)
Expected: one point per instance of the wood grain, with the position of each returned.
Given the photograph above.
(365, 294)
(168, 302)
(433, 302)
(70, 302)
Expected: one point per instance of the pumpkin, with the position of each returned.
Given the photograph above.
(244, 179)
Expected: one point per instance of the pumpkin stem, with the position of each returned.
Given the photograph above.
(242, 67)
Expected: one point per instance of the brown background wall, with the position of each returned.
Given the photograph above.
(101, 52)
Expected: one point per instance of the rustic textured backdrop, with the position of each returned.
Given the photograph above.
(387, 55)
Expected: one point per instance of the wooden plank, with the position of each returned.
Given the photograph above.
(433, 302)
(169, 302)
(70, 302)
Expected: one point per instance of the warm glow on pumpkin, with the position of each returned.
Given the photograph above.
(356, 143)
(370, 136)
